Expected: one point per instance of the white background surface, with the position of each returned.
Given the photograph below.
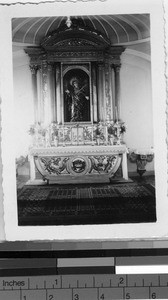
(8, 193)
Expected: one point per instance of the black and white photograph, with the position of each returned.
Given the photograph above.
(83, 131)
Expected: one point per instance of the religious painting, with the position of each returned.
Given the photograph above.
(83, 136)
(76, 96)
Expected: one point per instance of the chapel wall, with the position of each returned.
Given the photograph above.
(136, 104)
(23, 102)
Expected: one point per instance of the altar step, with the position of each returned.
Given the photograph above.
(79, 180)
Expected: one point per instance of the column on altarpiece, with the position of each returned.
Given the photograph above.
(34, 69)
(51, 92)
(59, 105)
(46, 93)
(39, 93)
(101, 104)
(108, 92)
(113, 91)
(94, 93)
(116, 68)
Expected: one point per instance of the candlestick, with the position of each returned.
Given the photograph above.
(106, 132)
(92, 134)
(71, 136)
(77, 134)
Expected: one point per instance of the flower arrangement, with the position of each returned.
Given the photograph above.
(42, 131)
(55, 130)
(111, 128)
(32, 130)
(116, 128)
(104, 133)
(67, 135)
(99, 130)
(122, 128)
(37, 128)
(99, 133)
(87, 133)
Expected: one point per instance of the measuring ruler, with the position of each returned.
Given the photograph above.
(85, 287)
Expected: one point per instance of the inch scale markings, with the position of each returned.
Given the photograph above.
(83, 286)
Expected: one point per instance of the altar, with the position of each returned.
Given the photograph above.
(78, 164)
(77, 135)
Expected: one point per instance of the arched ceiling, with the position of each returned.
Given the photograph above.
(119, 29)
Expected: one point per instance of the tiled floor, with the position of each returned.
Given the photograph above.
(91, 204)
(144, 179)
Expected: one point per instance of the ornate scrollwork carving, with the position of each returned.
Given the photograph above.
(141, 160)
(34, 69)
(78, 165)
(116, 67)
(76, 42)
(76, 54)
(52, 165)
(103, 163)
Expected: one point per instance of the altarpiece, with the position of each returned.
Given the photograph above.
(77, 131)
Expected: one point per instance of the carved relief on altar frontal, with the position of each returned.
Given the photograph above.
(52, 167)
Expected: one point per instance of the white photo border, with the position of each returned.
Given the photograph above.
(129, 232)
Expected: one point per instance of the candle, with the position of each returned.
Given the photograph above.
(63, 135)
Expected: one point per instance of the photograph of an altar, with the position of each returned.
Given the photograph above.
(83, 94)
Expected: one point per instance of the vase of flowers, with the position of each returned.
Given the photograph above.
(47, 138)
(56, 141)
(54, 134)
(115, 132)
(41, 131)
(98, 133)
(120, 131)
(122, 128)
(33, 132)
(111, 139)
(111, 133)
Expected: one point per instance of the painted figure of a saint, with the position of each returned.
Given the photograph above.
(77, 101)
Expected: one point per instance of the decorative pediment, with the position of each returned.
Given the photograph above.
(77, 35)
(76, 42)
